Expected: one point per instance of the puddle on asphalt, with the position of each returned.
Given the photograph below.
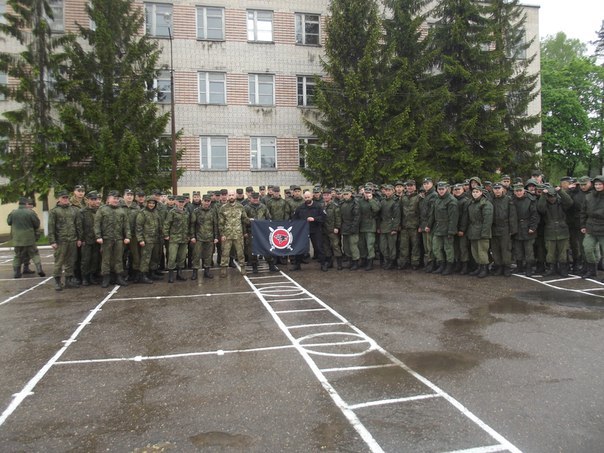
(565, 298)
(439, 361)
(221, 439)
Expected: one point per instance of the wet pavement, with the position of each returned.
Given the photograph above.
(394, 361)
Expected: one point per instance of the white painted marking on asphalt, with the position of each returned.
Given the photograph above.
(289, 300)
(27, 390)
(122, 299)
(392, 401)
(301, 311)
(305, 326)
(580, 291)
(24, 292)
(488, 449)
(566, 279)
(139, 358)
(358, 368)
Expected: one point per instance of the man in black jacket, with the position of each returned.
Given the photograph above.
(315, 216)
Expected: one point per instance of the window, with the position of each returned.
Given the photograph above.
(261, 89)
(210, 23)
(302, 144)
(307, 29)
(517, 50)
(260, 26)
(306, 91)
(158, 19)
(163, 87)
(213, 153)
(57, 22)
(3, 83)
(212, 88)
(2, 11)
(263, 153)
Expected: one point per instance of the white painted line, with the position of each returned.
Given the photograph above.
(580, 291)
(24, 292)
(268, 276)
(139, 358)
(392, 401)
(181, 297)
(272, 284)
(304, 326)
(562, 279)
(301, 311)
(358, 368)
(488, 449)
(29, 387)
(22, 279)
(331, 391)
(338, 343)
(594, 289)
(289, 300)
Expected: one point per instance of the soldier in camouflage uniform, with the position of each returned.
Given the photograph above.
(148, 231)
(232, 221)
(505, 224)
(409, 253)
(257, 211)
(77, 199)
(528, 221)
(176, 231)
(389, 224)
(112, 231)
(331, 232)
(461, 245)
(443, 227)
(91, 251)
(24, 225)
(132, 252)
(369, 209)
(480, 222)
(296, 198)
(204, 234)
(65, 237)
(552, 206)
(351, 218)
(425, 208)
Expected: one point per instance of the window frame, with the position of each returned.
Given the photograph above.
(303, 142)
(167, 98)
(303, 98)
(256, 93)
(208, 92)
(3, 82)
(300, 29)
(207, 139)
(253, 32)
(57, 26)
(201, 12)
(257, 143)
(151, 11)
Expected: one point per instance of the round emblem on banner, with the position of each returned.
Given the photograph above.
(280, 238)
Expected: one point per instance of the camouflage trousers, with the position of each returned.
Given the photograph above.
(557, 250)
(65, 257)
(461, 245)
(331, 245)
(229, 244)
(25, 253)
(132, 256)
(177, 255)
(388, 245)
(91, 258)
(150, 257)
(442, 248)
(524, 250)
(480, 251)
(427, 241)
(350, 244)
(593, 245)
(408, 251)
(202, 252)
(501, 247)
(112, 253)
(367, 245)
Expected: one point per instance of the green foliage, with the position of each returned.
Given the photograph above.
(110, 119)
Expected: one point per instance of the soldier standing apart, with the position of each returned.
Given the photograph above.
(369, 209)
(24, 225)
(351, 217)
(408, 237)
(204, 234)
(91, 251)
(592, 225)
(112, 231)
(505, 224)
(331, 233)
(148, 230)
(176, 232)
(480, 222)
(257, 211)
(528, 221)
(232, 221)
(553, 205)
(442, 225)
(389, 223)
(65, 237)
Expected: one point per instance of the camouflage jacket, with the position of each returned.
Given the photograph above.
(279, 209)
(232, 220)
(64, 224)
(410, 211)
(88, 214)
(148, 226)
(390, 215)
(204, 224)
(24, 223)
(333, 217)
(369, 210)
(111, 223)
(131, 211)
(176, 226)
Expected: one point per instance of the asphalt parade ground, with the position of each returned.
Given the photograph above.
(342, 361)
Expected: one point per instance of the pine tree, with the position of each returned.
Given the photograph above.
(109, 116)
(352, 100)
(470, 139)
(34, 151)
(517, 85)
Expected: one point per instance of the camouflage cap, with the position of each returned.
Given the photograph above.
(186, 195)
(113, 193)
(196, 192)
(262, 188)
(128, 192)
(276, 189)
(92, 195)
(399, 183)
(239, 191)
(497, 185)
(151, 200)
(518, 186)
(255, 195)
(505, 178)
(458, 186)
(296, 187)
(442, 185)
(388, 187)
(599, 178)
(584, 180)
(249, 189)
(566, 179)
(427, 179)
(410, 182)
(140, 193)
(206, 197)
(224, 192)
(530, 182)
(180, 198)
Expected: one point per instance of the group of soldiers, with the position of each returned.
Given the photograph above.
(466, 228)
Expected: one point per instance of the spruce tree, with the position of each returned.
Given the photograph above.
(35, 151)
(471, 138)
(109, 116)
(352, 100)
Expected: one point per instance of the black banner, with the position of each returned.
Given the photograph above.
(280, 238)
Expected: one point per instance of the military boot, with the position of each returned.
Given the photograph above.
(440, 268)
(497, 270)
(529, 269)
(429, 267)
(589, 270)
(296, 267)
(330, 262)
(93, 279)
(223, 272)
(194, 274)
(355, 265)
(232, 262)
(363, 262)
(27, 270)
(39, 270)
(457, 269)
(272, 267)
(170, 276)
(448, 269)
(476, 271)
(551, 270)
(563, 269)
(17, 272)
(179, 275)
(484, 271)
(58, 286)
(144, 278)
(369, 266)
(339, 263)
(71, 282)
(540, 267)
(119, 279)
(136, 277)
(520, 268)
(325, 266)
(254, 268)
(106, 279)
(85, 280)
(507, 271)
(464, 268)
(243, 270)
(155, 276)
(206, 273)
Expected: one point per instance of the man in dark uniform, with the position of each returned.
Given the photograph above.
(315, 217)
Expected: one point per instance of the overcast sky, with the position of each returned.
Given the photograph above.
(579, 19)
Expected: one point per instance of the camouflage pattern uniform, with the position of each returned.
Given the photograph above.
(112, 226)
(389, 224)
(331, 240)
(232, 221)
(204, 228)
(176, 228)
(368, 210)
(148, 229)
(132, 255)
(409, 252)
(91, 251)
(65, 230)
(258, 211)
(24, 224)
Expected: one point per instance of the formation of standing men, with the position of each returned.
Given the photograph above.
(468, 228)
